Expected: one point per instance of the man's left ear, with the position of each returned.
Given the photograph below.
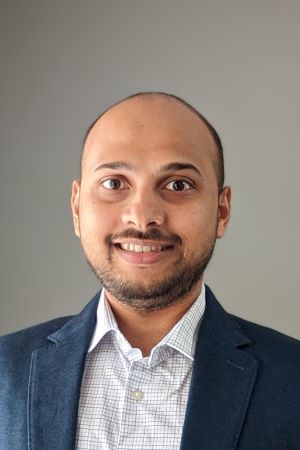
(223, 210)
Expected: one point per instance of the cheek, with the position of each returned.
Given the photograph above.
(197, 225)
(188, 227)
(96, 220)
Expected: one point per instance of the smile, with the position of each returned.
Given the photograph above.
(136, 248)
(143, 253)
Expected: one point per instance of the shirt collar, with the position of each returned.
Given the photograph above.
(105, 321)
(182, 337)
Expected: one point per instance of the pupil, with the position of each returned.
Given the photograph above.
(114, 184)
(178, 185)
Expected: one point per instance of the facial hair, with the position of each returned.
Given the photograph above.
(162, 293)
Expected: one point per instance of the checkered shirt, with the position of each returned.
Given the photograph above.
(131, 402)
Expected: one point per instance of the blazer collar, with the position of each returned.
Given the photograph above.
(222, 382)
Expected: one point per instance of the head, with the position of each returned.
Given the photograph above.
(219, 160)
(150, 203)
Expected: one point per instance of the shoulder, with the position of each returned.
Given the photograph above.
(264, 335)
(23, 342)
(271, 347)
(16, 351)
(18, 346)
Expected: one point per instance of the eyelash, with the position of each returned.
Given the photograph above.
(187, 183)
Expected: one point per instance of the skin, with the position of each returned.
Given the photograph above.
(148, 134)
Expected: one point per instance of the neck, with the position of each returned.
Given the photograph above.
(145, 329)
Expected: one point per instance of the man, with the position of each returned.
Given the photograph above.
(153, 361)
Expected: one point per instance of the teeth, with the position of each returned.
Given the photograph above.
(141, 248)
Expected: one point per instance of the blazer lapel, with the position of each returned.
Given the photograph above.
(222, 382)
(54, 384)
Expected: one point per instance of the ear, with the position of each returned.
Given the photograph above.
(223, 211)
(75, 197)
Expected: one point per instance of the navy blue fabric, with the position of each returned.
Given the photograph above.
(245, 389)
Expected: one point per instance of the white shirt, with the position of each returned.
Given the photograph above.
(128, 402)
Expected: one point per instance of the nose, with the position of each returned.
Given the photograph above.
(143, 210)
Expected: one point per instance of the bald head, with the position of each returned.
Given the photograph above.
(154, 110)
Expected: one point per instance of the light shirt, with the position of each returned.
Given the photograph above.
(131, 402)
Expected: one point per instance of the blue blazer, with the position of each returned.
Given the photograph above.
(245, 388)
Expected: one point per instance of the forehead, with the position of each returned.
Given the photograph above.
(149, 129)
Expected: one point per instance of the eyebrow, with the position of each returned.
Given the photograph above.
(180, 166)
(176, 166)
(115, 166)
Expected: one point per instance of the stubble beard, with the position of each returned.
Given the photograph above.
(160, 294)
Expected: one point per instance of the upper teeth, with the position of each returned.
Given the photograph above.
(141, 248)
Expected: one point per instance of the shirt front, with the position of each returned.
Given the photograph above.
(131, 402)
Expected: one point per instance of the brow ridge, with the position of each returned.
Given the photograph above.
(180, 166)
(176, 166)
(115, 166)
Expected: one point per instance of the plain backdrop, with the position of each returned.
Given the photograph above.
(64, 61)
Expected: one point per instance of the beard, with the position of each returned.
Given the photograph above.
(171, 288)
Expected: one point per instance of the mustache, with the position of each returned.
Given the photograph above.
(151, 235)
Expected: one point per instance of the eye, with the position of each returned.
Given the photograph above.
(112, 184)
(179, 185)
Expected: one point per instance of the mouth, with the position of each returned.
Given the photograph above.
(142, 253)
(142, 248)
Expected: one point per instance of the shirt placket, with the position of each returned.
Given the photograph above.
(134, 406)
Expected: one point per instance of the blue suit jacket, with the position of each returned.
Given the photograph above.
(245, 388)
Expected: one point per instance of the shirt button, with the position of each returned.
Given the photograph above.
(137, 395)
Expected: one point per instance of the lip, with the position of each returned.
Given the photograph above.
(141, 242)
(142, 258)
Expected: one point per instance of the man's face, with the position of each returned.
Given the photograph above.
(148, 208)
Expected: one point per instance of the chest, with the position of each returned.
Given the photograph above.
(127, 403)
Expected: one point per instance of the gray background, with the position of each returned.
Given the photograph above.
(63, 62)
